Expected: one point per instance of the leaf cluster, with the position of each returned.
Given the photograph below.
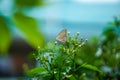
(18, 21)
(61, 61)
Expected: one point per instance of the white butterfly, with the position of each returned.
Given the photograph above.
(62, 36)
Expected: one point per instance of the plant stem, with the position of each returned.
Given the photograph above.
(74, 65)
(59, 73)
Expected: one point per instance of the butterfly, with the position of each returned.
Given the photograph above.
(62, 36)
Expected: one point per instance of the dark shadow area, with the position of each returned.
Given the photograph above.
(12, 65)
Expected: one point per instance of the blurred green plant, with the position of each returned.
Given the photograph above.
(110, 46)
(29, 28)
(27, 25)
(28, 3)
(61, 61)
(104, 52)
(5, 36)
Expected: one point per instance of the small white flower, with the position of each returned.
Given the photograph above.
(79, 45)
(99, 52)
(78, 33)
(55, 72)
(68, 33)
(84, 74)
(86, 40)
(64, 73)
(55, 42)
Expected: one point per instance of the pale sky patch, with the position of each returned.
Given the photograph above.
(97, 1)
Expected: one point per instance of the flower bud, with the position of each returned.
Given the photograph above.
(51, 54)
(79, 45)
(86, 40)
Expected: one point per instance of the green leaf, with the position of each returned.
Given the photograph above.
(28, 26)
(71, 77)
(110, 33)
(91, 67)
(29, 3)
(5, 36)
(36, 71)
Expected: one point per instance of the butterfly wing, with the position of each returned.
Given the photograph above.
(62, 36)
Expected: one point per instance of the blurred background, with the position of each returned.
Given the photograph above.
(25, 25)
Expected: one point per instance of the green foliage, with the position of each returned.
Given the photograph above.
(37, 71)
(116, 22)
(104, 52)
(61, 61)
(111, 49)
(5, 36)
(28, 3)
(91, 67)
(26, 25)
